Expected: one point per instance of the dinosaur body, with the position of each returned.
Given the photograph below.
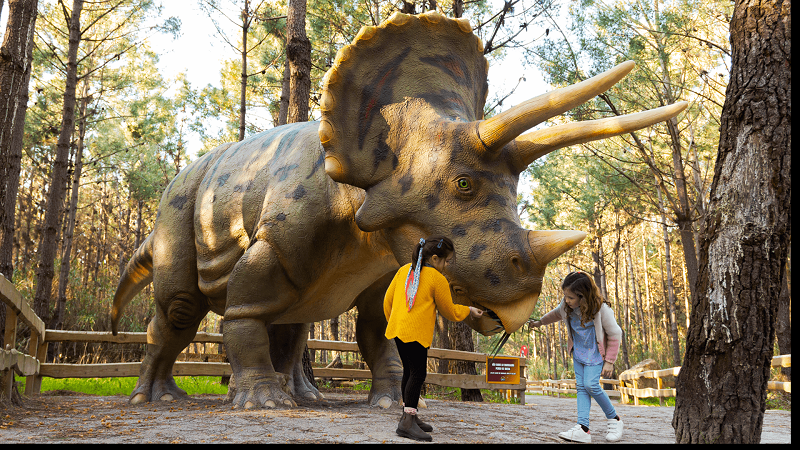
(305, 221)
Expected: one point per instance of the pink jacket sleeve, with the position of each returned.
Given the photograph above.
(553, 316)
(612, 331)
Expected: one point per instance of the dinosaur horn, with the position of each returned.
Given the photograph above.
(547, 245)
(534, 145)
(501, 129)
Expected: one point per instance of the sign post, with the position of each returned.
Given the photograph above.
(502, 370)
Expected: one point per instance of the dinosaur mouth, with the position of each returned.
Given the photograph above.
(508, 317)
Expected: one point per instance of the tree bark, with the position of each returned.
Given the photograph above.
(722, 386)
(461, 338)
(298, 53)
(55, 197)
(15, 71)
(63, 276)
(243, 83)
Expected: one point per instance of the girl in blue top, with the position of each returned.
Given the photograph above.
(594, 340)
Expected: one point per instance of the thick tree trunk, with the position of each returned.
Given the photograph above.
(722, 386)
(461, 338)
(48, 242)
(298, 53)
(15, 72)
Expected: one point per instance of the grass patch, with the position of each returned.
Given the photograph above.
(125, 385)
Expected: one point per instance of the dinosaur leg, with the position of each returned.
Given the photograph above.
(287, 345)
(379, 353)
(258, 291)
(170, 331)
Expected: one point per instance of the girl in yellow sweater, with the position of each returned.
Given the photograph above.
(417, 291)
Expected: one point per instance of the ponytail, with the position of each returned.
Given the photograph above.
(439, 246)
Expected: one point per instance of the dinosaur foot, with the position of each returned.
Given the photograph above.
(262, 392)
(165, 390)
(385, 392)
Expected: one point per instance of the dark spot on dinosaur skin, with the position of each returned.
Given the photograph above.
(459, 230)
(381, 152)
(284, 171)
(317, 164)
(222, 179)
(280, 217)
(498, 198)
(178, 201)
(432, 200)
(497, 225)
(476, 250)
(298, 193)
(493, 278)
(405, 182)
(493, 225)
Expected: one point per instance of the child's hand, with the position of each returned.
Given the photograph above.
(475, 312)
(534, 323)
(608, 369)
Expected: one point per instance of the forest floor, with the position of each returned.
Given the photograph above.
(343, 417)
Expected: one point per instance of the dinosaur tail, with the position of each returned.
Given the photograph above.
(138, 274)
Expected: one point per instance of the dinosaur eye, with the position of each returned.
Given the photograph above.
(463, 184)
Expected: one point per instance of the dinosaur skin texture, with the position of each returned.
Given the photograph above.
(305, 221)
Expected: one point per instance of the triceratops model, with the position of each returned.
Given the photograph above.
(305, 221)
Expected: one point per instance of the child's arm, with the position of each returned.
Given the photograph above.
(613, 333)
(553, 316)
(444, 302)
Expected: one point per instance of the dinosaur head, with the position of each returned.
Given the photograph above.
(402, 118)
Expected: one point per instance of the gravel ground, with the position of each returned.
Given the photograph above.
(340, 418)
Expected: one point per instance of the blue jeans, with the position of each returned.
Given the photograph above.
(587, 381)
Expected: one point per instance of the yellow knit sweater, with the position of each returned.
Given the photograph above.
(417, 325)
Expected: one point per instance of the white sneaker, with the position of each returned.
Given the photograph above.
(576, 434)
(614, 430)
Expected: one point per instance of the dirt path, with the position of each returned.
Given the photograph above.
(342, 418)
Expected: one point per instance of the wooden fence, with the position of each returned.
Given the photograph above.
(31, 367)
(627, 386)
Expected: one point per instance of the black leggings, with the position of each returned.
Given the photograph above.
(415, 368)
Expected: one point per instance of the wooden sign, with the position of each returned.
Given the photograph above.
(503, 370)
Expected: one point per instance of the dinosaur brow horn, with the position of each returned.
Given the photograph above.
(532, 146)
(501, 129)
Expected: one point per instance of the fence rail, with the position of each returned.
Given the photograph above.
(627, 385)
(30, 366)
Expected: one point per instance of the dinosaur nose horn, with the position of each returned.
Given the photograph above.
(501, 129)
(547, 245)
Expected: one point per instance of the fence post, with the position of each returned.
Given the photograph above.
(11, 328)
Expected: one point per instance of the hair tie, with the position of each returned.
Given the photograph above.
(440, 243)
(412, 280)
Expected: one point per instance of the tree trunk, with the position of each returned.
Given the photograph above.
(722, 386)
(458, 8)
(298, 53)
(15, 72)
(637, 301)
(283, 111)
(783, 326)
(243, 83)
(63, 276)
(461, 338)
(48, 242)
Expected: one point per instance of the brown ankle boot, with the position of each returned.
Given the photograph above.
(422, 425)
(408, 428)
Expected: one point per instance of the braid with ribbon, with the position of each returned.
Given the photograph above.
(412, 280)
